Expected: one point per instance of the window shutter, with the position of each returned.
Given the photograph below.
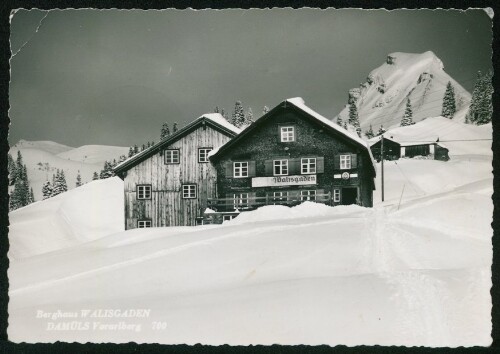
(251, 198)
(320, 164)
(354, 160)
(229, 169)
(268, 167)
(336, 162)
(251, 168)
(294, 166)
(294, 195)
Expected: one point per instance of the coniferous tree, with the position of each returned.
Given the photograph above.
(216, 109)
(32, 196)
(354, 118)
(481, 107)
(21, 195)
(11, 167)
(339, 121)
(224, 114)
(136, 149)
(345, 125)
(175, 127)
(122, 158)
(408, 115)
(78, 179)
(59, 185)
(238, 118)
(249, 116)
(369, 133)
(95, 176)
(449, 105)
(165, 131)
(381, 130)
(130, 152)
(471, 115)
(265, 110)
(46, 190)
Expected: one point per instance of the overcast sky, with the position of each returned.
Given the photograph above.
(112, 77)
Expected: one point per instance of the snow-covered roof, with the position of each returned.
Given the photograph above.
(216, 118)
(299, 103)
(219, 119)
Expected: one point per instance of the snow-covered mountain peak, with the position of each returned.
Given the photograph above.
(420, 77)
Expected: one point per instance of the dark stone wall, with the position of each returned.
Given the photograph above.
(263, 143)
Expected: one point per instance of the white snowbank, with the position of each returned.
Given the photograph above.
(68, 219)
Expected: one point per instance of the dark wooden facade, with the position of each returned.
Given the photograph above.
(332, 180)
(159, 190)
(392, 149)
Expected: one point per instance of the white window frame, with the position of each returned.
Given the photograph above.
(345, 162)
(172, 156)
(287, 134)
(282, 165)
(189, 191)
(336, 195)
(227, 217)
(308, 195)
(144, 191)
(308, 165)
(240, 169)
(280, 196)
(203, 154)
(240, 200)
(141, 224)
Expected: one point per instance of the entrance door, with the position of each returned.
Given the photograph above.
(349, 195)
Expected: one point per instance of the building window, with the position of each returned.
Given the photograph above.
(287, 134)
(143, 223)
(336, 195)
(280, 167)
(308, 165)
(188, 191)
(144, 191)
(345, 162)
(308, 195)
(280, 197)
(240, 169)
(240, 200)
(172, 156)
(227, 217)
(203, 154)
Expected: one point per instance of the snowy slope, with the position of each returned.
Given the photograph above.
(381, 100)
(77, 216)
(93, 154)
(43, 158)
(414, 274)
(48, 146)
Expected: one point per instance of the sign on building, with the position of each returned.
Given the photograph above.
(278, 181)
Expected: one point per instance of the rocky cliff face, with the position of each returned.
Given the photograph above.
(381, 99)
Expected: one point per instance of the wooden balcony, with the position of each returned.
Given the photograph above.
(251, 203)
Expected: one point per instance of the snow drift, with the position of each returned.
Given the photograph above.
(68, 219)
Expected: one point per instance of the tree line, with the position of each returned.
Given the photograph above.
(22, 194)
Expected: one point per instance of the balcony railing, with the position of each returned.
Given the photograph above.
(250, 203)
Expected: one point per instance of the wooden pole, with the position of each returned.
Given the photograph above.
(382, 163)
